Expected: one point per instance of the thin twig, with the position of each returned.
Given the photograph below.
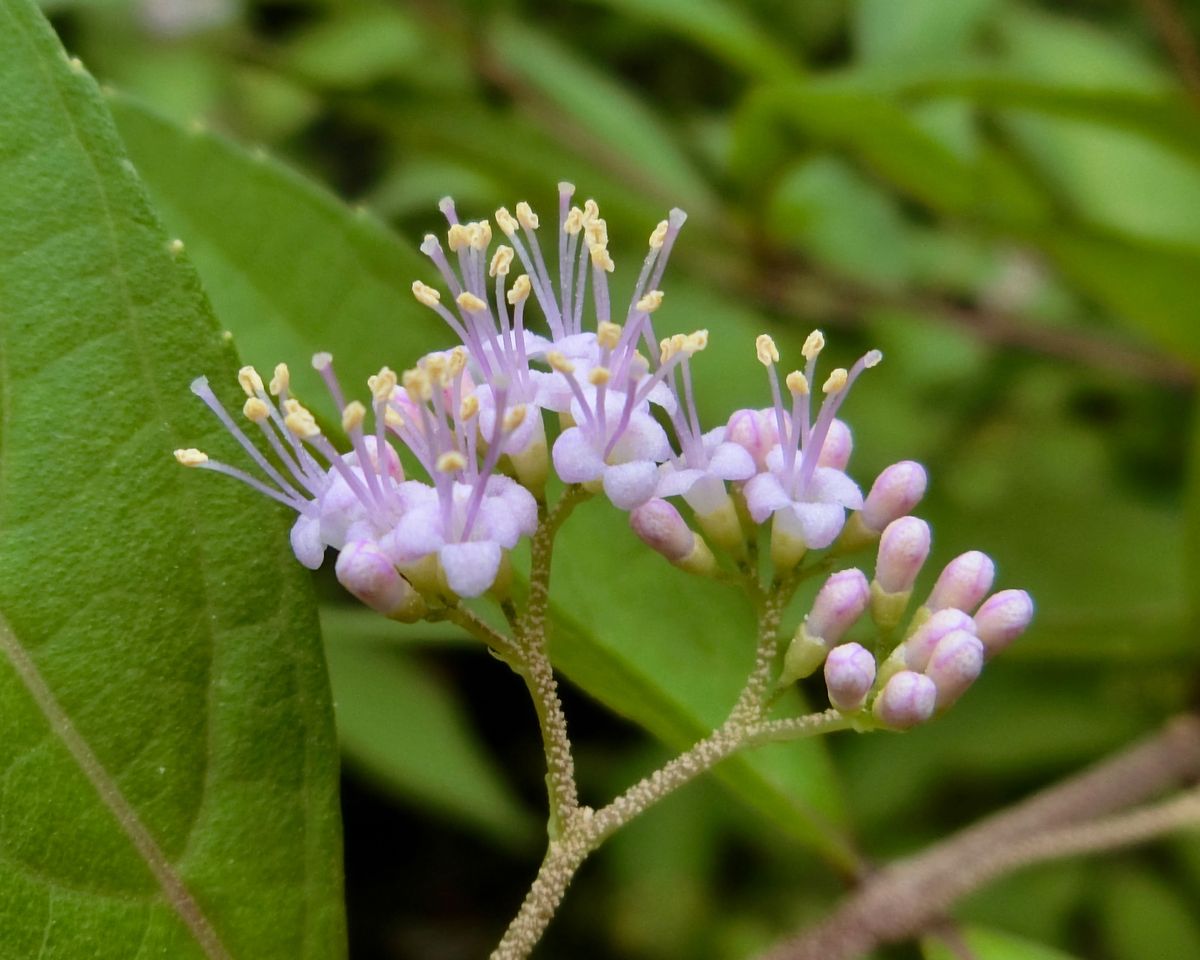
(1175, 35)
(902, 900)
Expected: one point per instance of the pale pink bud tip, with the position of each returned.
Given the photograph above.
(840, 602)
(895, 492)
(964, 583)
(660, 526)
(367, 572)
(906, 700)
(755, 431)
(920, 646)
(1002, 618)
(838, 445)
(903, 549)
(849, 676)
(956, 662)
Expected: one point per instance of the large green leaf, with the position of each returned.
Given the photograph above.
(666, 675)
(170, 772)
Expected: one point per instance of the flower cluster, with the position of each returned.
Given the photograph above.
(620, 405)
(940, 654)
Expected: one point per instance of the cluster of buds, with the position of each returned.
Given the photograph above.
(941, 652)
(605, 404)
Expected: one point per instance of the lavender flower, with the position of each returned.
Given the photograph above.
(807, 501)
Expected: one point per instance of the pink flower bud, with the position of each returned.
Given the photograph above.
(906, 700)
(920, 646)
(367, 572)
(849, 676)
(895, 492)
(956, 662)
(838, 445)
(1002, 618)
(660, 526)
(902, 552)
(840, 601)
(756, 431)
(964, 583)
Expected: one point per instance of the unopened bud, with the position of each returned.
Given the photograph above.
(895, 492)
(906, 700)
(840, 602)
(1002, 618)
(755, 431)
(964, 583)
(661, 527)
(918, 648)
(903, 549)
(957, 660)
(849, 676)
(368, 573)
(838, 445)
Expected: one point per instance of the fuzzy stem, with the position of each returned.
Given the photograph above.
(588, 829)
(534, 665)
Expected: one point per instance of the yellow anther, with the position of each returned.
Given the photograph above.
(526, 217)
(300, 421)
(191, 457)
(437, 368)
(505, 221)
(281, 380)
(469, 407)
(417, 384)
(813, 344)
(608, 335)
(573, 222)
(501, 260)
(520, 289)
(255, 410)
(658, 235)
(767, 352)
(514, 418)
(457, 237)
(250, 380)
(322, 361)
(598, 376)
(479, 233)
(393, 419)
(451, 462)
(426, 294)
(650, 302)
(696, 341)
(353, 416)
(872, 358)
(601, 259)
(670, 346)
(471, 303)
(591, 211)
(797, 383)
(837, 381)
(596, 232)
(457, 361)
(559, 362)
(382, 384)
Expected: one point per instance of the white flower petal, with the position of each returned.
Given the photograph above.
(833, 486)
(643, 439)
(470, 568)
(731, 461)
(307, 543)
(575, 460)
(630, 484)
(764, 495)
(818, 524)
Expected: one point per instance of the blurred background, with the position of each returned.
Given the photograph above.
(1003, 196)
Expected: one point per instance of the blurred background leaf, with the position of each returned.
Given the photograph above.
(1000, 194)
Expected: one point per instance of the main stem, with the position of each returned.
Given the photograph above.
(582, 830)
